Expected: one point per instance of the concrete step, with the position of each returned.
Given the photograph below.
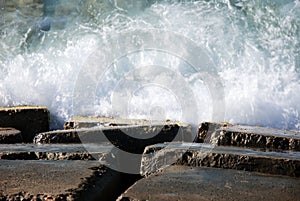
(57, 180)
(30, 120)
(88, 122)
(10, 135)
(159, 156)
(92, 121)
(55, 151)
(202, 184)
(224, 134)
(132, 138)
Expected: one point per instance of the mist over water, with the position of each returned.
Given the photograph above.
(255, 46)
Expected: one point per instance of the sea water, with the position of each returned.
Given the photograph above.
(253, 46)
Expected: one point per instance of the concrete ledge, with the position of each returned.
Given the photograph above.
(10, 135)
(57, 180)
(54, 151)
(132, 138)
(90, 121)
(202, 184)
(30, 120)
(159, 156)
(224, 134)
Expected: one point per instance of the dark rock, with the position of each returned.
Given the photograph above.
(30, 120)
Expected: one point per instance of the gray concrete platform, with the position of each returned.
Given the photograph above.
(159, 156)
(202, 184)
(10, 135)
(30, 120)
(248, 136)
(57, 180)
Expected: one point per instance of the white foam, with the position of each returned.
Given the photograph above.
(253, 45)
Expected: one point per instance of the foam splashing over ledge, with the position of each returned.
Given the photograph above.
(254, 45)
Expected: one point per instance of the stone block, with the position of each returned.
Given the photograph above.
(30, 120)
(10, 135)
(224, 134)
(132, 138)
(159, 156)
(54, 151)
(57, 180)
(202, 184)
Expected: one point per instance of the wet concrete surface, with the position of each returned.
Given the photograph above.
(57, 180)
(159, 156)
(202, 184)
(224, 134)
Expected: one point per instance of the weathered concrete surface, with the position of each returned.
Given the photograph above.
(202, 184)
(54, 151)
(248, 136)
(10, 135)
(133, 138)
(159, 156)
(30, 120)
(57, 180)
(88, 122)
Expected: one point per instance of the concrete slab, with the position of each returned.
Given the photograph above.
(30, 120)
(57, 180)
(88, 122)
(133, 138)
(10, 135)
(92, 121)
(248, 136)
(54, 151)
(202, 184)
(159, 156)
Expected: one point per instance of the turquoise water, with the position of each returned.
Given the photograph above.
(254, 45)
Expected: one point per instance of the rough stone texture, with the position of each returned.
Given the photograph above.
(10, 135)
(88, 122)
(248, 136)
(133, 138)
(57, 180)
(202, 184)
(30, 120)
(54, 151)
(159, 156)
